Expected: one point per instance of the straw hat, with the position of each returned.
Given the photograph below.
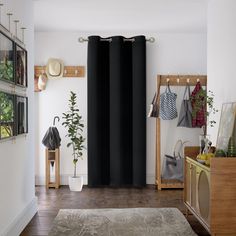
(54, 68)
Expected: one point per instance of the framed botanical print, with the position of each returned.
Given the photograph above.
(21, 66)
(6, 58)
(7, 115)
(21, 115)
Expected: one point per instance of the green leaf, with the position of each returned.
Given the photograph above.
(69, 144)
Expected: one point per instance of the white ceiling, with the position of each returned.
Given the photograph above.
(121, 15)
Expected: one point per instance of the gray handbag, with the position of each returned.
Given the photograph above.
(154, 111)
(185, 114)
(168, 110)
(174, 165)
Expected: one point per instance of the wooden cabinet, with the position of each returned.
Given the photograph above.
(197, 190)
(210, 192)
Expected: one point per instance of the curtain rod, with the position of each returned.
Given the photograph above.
(82, 40)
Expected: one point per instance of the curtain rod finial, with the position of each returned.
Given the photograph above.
(152, 40)
(81, 40)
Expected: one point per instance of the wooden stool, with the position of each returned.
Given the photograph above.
(52, 157)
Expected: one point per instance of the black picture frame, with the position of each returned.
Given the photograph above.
(21, 114)
(7, 59)
(21, 74)
(7, 115)
(13, 70)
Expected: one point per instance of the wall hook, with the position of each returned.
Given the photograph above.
(178, 79)
(168, 81)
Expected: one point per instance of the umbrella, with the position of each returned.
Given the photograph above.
(52, 139)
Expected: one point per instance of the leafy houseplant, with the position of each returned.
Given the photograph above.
(74, 125)
(204, 100)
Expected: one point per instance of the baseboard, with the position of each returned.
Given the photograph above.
(150, 178)
(40, 180)
(21, 220)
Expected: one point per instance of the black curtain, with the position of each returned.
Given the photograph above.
(117, 111)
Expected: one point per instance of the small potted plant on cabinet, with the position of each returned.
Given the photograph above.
(74, 125)
(204, 101)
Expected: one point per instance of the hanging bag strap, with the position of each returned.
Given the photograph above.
(158, 93)
(154, 98)
(168, 88)
(152, 106)
(186, 92)
(156, 103)
(177, 153)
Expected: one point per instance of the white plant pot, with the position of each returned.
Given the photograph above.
(76, 183)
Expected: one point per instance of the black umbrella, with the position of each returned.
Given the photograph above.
(52, 139)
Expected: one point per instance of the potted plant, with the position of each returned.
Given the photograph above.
(205, 100)
(74, 125)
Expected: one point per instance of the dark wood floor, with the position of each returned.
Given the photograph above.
(52, 200)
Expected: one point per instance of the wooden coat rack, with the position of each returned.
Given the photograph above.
(173, 80)
(69, 71)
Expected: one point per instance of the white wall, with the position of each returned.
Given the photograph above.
(122, 15)
(17, 197)
(221, 53)
(183, 53)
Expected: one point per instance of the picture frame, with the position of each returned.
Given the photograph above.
(21, 104)
(7, 59)
(13, 71)
(227, 126)
(7, 115)
(21, 77)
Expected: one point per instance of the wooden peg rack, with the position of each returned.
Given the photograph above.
(181, 80)
(173, 80)
(69, 71)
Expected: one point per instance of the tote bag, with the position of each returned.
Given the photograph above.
(154, 112)
(185, 114)
(168, 110)
(173, 166)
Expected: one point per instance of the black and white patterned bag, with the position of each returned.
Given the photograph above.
(168, 110)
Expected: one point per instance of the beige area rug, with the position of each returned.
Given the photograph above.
(121, 222)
